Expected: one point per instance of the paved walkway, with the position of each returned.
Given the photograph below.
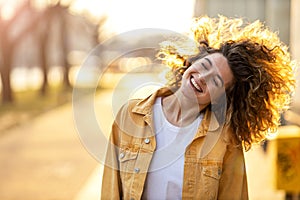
(45, 159)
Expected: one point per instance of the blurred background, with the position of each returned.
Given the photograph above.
(43, 44)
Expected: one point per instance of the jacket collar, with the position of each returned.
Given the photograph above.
(144, 107)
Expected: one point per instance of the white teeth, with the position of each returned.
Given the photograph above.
(196, 85)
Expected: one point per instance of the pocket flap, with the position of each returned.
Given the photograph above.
(212, 171)
(126, 155)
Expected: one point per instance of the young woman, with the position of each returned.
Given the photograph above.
(186, 140)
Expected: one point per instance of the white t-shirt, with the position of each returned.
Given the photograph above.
(165, 175)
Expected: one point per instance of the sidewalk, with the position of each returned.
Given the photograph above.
(44, 158)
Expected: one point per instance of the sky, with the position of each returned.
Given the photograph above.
(126, 15)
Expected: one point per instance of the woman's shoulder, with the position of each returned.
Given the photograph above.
(128, 106)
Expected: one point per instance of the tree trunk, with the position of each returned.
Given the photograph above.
(65, 49)
(6, 50)
(7, 96)
(44, 67)
(43, 41)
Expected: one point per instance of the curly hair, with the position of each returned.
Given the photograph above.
(264, 73)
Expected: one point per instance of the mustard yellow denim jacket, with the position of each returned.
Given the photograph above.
(220, 174)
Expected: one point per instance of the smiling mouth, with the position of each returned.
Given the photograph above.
(196, 86)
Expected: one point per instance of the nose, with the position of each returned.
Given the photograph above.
(205, 76)
(202, 80)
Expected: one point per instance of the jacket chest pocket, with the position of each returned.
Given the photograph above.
(210, 176)
(127, 162)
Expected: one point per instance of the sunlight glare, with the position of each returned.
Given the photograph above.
(166, 14)
(7, 11)
(128, 15)
(97, 8)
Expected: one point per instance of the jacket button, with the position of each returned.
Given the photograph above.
(137, 170)
(147, 141)
(122, 155)
(219, 171)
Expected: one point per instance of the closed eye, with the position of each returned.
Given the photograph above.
(204, 66)
(218, 81)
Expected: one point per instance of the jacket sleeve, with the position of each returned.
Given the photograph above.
(233, 182)
(111, 182)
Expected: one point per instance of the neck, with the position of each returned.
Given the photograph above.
(179, 110)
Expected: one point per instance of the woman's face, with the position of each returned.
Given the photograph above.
(206, 79)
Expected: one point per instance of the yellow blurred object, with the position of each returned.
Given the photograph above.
(285, 148)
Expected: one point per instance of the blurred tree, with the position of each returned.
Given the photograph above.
(65, 45)
(9, 39)
(54, 14)
(57, 20)
(54, 24)
(42, 41)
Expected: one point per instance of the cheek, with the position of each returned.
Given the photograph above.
(186, 74)
(215, 92)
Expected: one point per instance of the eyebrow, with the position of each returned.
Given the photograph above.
(208, 61)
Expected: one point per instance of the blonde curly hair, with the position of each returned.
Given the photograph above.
(263, 70)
